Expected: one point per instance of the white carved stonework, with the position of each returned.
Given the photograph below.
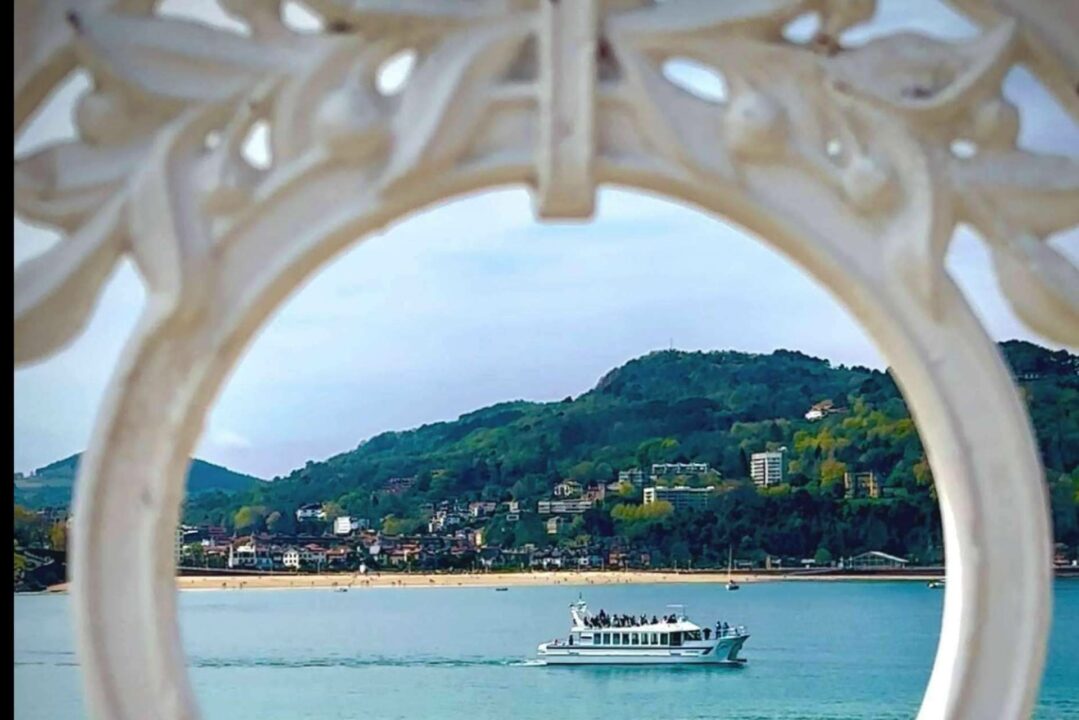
(841, 158)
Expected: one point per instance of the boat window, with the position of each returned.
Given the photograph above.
(676, 639)
(664, 639)
(633, 640)
(617, 638)
(693, 635)
(644, 638)
(653, 640)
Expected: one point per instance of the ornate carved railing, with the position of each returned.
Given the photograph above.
(856, 163)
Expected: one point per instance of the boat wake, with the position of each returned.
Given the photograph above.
(358, 663)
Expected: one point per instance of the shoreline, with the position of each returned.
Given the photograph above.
(583, 578)
(542, 578)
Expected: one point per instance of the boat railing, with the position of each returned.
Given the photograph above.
(732, 631)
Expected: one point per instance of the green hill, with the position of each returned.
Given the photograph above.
(51, 485)
(671, 406)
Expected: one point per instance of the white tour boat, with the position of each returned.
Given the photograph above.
(623, 640)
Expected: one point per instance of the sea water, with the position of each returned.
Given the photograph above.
(822, 650)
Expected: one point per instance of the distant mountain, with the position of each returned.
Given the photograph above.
(51, 485)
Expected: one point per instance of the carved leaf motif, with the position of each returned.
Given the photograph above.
(1038, 193)
(175, 59)
(340, 73)
(44, 51)
(456, 75)
(1041, 285)
(684, 129)
(386, 17)
(659, 25)
(1047, 31)
(63, 185)
(169, 234)
(55, 292)
(924, 76)
(1015, 198)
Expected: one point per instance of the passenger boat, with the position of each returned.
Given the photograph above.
(621, 640)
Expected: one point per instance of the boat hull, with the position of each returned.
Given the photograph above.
(724, 652)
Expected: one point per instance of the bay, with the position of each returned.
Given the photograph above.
(819, 650)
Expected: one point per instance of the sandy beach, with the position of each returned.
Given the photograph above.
(281, 581)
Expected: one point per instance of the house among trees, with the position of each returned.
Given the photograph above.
(310, 511)
(822, 409)
(567, 489)
(861, 484)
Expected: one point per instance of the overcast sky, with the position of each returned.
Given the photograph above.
(475, 303)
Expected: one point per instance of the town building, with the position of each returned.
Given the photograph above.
(681, 497)
(595, 493)
(291, 558)
(309, 512)
(766, 468)
(563, 507)
(660, 470)
(444, 520)
(53, 514)
(342, 525)
(313, 554)
(481, 509)
(634, 476)
(178, 551)
(861, 484)
(821, 410)
(555, 525)
(567, 489)
(248, 554)
(873, 560)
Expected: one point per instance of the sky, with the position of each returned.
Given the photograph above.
(475, 302)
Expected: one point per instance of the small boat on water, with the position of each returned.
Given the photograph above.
(501, 589)
(731, 584)
(935, 584)
(624, 640)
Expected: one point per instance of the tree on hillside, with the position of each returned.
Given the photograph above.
(249, 519)
(58, 536)
(30, 529)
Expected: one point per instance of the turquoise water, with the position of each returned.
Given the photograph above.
(818, 650)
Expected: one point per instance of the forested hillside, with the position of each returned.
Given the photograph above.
(671, 406)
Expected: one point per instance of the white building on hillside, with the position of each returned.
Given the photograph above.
(680, 497)
(345, 525)
(563, 507)
(766, 468)
(675, 469)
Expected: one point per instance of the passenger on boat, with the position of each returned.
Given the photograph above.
(708, 633)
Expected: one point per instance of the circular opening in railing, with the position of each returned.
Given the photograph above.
(393, 509)
(227, 158)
